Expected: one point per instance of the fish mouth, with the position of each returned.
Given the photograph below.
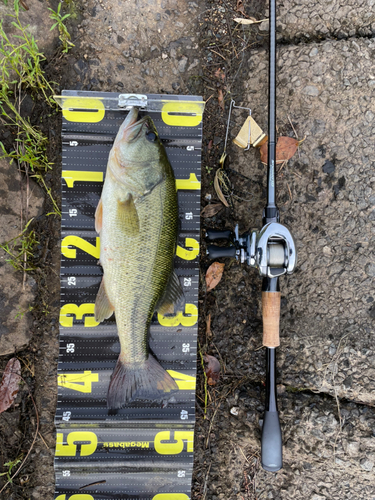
(132, 127)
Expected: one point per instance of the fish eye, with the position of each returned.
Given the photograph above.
(151, 136)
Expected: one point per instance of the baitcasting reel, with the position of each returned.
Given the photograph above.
(271, 250)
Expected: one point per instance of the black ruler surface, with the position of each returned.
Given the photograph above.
(145, 450)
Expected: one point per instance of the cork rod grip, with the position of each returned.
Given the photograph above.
(271, 318)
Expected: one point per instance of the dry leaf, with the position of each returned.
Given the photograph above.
(285, 149)
(240, 7)
(9, 383)
(219, 73)
(211, 210)
(219, 191)
(213, 275)
(208, 325)
(221, 99)
(251, 20)
(212, 369)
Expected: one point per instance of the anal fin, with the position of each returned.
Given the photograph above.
(103, 308)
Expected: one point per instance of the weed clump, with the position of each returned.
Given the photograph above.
(21, 71)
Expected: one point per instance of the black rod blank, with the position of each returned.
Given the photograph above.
(271, 212)
(271, 454)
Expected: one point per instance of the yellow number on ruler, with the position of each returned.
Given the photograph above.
(184, 382)
(82, 496)
(180, 319)
(87, 247)
(70, 448)
(185, 254)
(78, 242)
(173, 448)
(80, 382)
(167, 496)
(192, 183)
(180, 120)
(80, 115)
(71, 176)
(78, 312)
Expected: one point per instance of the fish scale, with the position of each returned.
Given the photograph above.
(143, 269)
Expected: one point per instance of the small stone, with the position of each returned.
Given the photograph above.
(348, 382)
(80, 67)
(352, 448)
(370, 269)
(234, 411)
(328, 167)
(367, 465)
(311, 90)
(182, 64)
(313, 52)
(164, 56)
(332, 350)
(338, 461)
(264, 26)
(193, 65)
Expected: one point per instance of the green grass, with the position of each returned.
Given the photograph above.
(10, 466)
(21, 249)
(21, 70)
(64, 34)
(20, 63)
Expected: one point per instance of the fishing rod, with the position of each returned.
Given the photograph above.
(273, 252)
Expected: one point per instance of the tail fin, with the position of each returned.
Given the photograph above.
(147, 381)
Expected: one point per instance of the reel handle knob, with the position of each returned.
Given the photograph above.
(215, 252)
(217, 234)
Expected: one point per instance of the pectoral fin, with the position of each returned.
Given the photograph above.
(173, 300)
(99, 216)
(128, 216)
(103, 308)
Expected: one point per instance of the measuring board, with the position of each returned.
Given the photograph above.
(145, 450)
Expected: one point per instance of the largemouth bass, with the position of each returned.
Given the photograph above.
(137, 219)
